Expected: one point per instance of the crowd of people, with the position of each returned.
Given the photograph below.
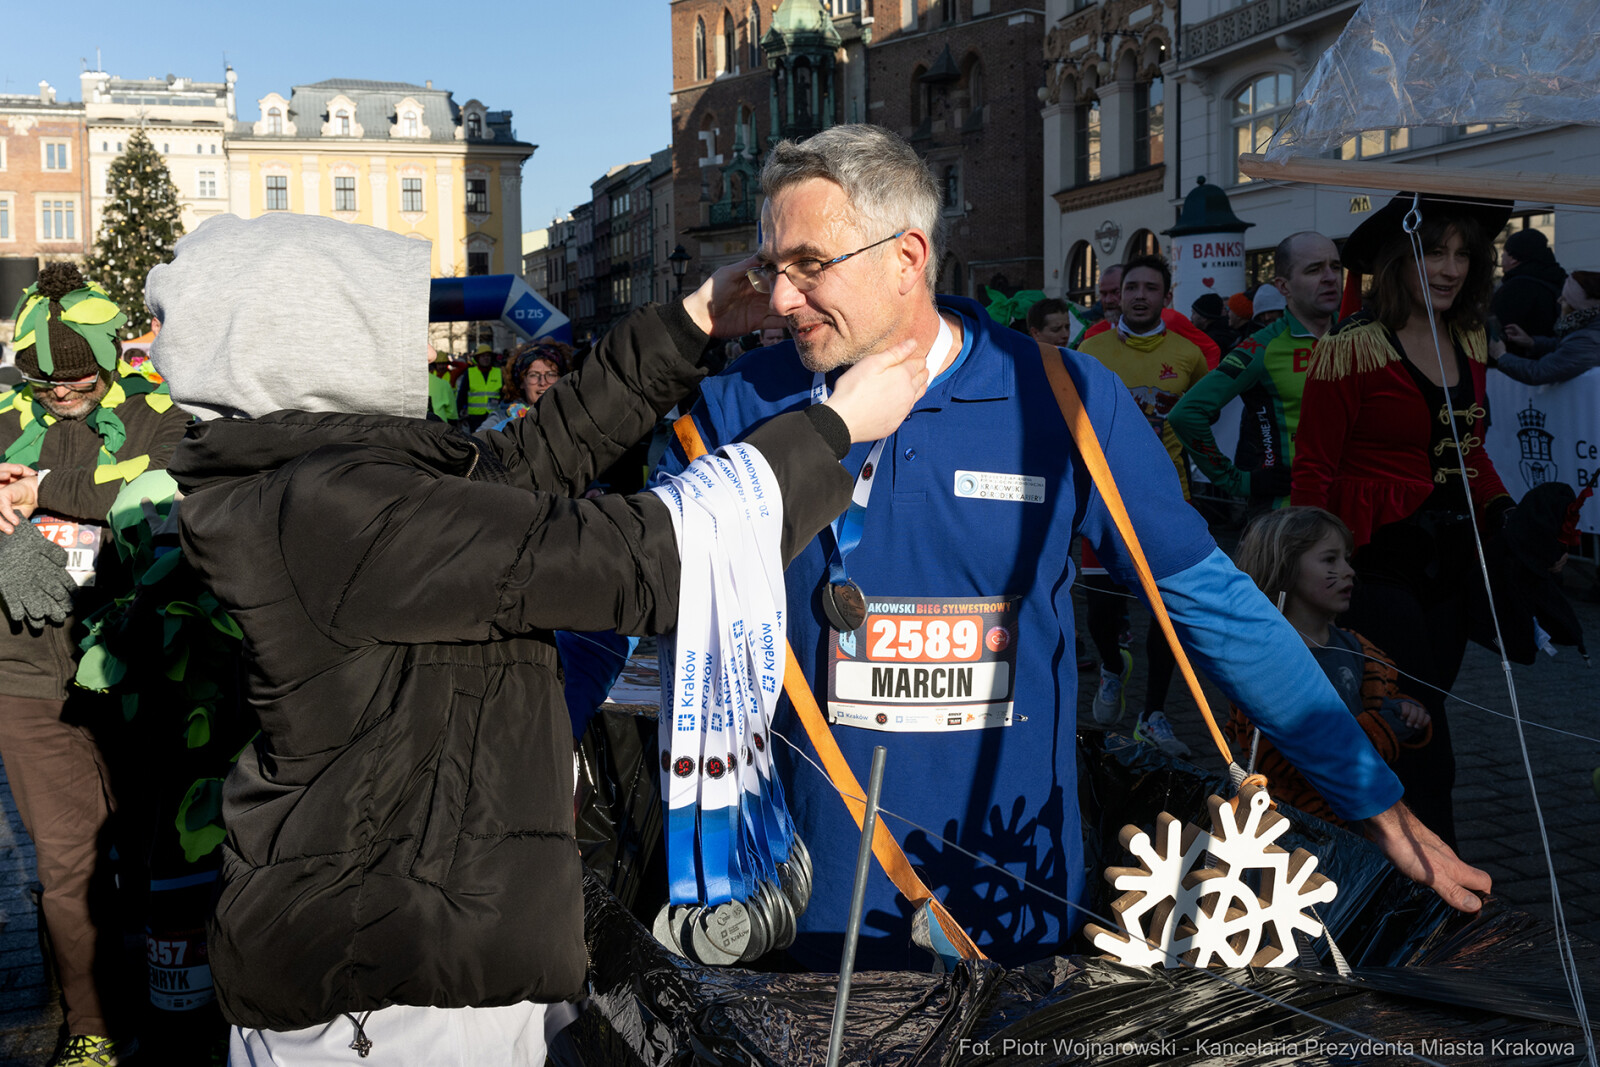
(401, 871)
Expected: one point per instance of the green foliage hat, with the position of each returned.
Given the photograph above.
(66, 327)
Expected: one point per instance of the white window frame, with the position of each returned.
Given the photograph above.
(1370, 144)
(204, 180)
(65, 148)
(8, 215)
(70, 208)
(274, 120)
(1236, 122)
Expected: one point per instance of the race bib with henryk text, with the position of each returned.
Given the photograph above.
(919, 665)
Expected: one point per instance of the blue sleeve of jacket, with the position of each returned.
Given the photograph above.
(1249, 649)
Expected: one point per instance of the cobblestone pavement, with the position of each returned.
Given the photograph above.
(1494, 807)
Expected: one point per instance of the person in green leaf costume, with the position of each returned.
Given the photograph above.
(71, 435)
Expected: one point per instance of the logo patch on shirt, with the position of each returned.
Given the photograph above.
(1167, 371)
(989, 485)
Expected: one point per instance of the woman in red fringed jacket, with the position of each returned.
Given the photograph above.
(1391, 441)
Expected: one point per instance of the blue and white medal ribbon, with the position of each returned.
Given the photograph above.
(728, 835)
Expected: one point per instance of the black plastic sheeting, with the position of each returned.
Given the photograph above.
(1428, 982)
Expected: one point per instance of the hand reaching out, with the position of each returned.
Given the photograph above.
(727, 305)
(1417, 853)
(875, 395)
(18, 498)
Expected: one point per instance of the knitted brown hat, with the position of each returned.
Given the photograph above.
(77, 349)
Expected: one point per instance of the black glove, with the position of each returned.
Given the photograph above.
(34, 583)
(1267, 483)
(1496, 512)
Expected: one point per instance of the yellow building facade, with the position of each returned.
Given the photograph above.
(401, 157)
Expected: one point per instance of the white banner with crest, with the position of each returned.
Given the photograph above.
(1547, 433)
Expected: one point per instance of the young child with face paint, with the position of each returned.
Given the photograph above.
(1300, 558)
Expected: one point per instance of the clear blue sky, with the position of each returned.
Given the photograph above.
(585, 80)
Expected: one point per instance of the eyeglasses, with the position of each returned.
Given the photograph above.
(542, 376)
(77, 385)
(804, 274)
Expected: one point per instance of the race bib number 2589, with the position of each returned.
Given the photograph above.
(921, 665)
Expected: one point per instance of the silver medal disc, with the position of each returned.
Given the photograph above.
(782, 917)
(789, 882)
(721, 935)
(678, 921)
(792, 883)
(760, 929)
(800, 865)
(662, 928)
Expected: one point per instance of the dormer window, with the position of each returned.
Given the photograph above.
(274, 120)
(474, 126)
(411, 124)
(342, 123)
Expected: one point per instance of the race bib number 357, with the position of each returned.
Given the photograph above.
(919, 665)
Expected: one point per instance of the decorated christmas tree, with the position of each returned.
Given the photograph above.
(140, 224)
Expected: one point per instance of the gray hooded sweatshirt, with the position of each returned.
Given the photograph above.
(293, 312)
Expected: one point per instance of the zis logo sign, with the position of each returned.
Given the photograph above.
(715, 767)
(683, 767)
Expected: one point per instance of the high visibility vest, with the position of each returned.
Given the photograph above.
(482, 390)
(442, 398)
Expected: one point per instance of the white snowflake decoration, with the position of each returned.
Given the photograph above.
(1171, 912)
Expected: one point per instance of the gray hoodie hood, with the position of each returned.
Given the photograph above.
(293, 312)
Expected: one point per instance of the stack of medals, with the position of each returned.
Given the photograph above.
(738, 874)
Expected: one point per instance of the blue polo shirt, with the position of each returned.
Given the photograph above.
(1007, 793)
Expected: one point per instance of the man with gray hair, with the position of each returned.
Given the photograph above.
(1267, 369)
(935, 617)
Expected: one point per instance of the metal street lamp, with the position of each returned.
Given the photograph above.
(680, 263)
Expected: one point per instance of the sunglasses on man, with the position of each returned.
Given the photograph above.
(77, 385)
